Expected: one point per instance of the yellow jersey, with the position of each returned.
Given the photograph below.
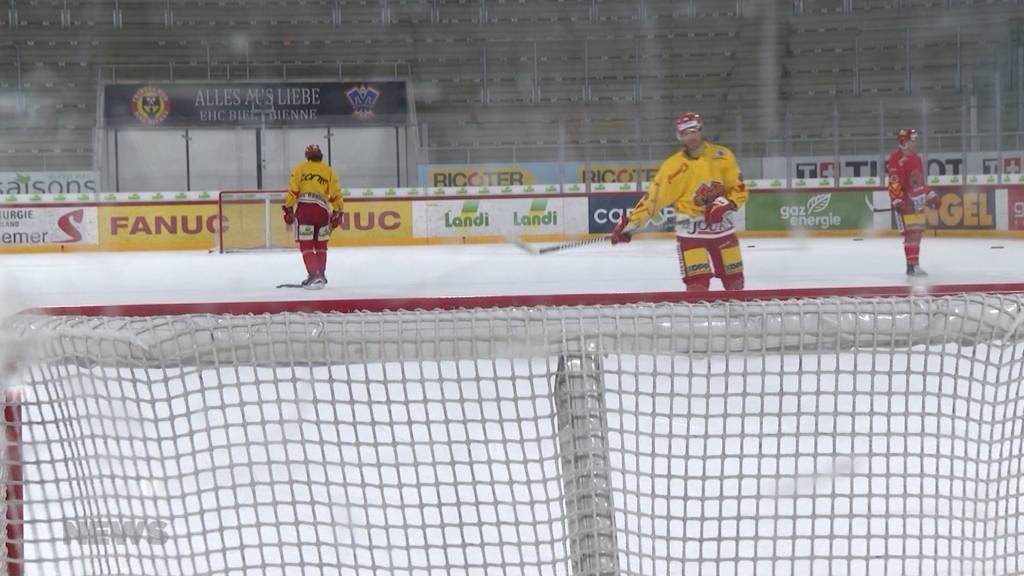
(316, 183)
(688, 184)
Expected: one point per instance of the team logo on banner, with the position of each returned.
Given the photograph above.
(363, 98)
(151, 105)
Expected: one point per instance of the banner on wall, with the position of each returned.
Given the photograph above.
(1015, 205)
(799, 167)
(526, 173)
(262, 104)
(865, 166)
(615, 172)
(45, 226)
(362, 223)
(605, 211)
(840, 210)
(500, 217)
(496, 175)
(374, 223)
(964, 209)
(158, 227)
(55, 183)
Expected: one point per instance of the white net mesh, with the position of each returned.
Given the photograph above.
(822, 436)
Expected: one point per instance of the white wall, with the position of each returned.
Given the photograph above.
(222, 159)
(218, 159)
(149, 160)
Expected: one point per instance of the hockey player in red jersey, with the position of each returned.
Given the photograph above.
(702, 182)
(313, 202)
(909, 195)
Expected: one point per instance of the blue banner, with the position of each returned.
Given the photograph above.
(605, 211)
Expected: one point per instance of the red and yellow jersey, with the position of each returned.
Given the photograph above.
(906, 181)
(688, 184)
(316, 183)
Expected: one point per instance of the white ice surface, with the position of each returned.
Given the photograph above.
(467, 270)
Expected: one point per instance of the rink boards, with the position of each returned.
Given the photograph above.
(190, 221)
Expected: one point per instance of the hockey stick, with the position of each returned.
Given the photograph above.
(559, 247)
(522, 245)
(876, 210)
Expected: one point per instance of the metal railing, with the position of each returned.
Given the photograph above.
(238, 71)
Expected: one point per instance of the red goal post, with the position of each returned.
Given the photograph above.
(11, 484)
(12, 354)
(848, 431)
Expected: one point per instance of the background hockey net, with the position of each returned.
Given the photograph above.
(252, 220)
(786, 433)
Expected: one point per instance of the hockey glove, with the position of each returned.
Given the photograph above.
(620, 234)
(289, 215)
(897, 204)
(335, 219)
(933, 200)
(716, 211)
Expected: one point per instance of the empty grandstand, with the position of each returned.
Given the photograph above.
(504, 80)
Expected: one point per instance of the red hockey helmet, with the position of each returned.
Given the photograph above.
(906, 135)
(313, 152)
(688, 121)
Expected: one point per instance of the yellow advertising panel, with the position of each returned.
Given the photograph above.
(183, 226)
(368, 223)
(964, 209)
(249, 225)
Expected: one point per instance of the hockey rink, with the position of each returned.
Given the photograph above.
(483, 270)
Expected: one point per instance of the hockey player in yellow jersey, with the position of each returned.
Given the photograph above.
(314, 202)
(703, 184)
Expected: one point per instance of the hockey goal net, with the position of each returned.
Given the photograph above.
(854, 432)
(252, 220)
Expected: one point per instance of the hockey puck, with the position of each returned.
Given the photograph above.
(997, 247)
(858, 239)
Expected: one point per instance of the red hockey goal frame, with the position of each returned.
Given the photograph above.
(508, 301)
